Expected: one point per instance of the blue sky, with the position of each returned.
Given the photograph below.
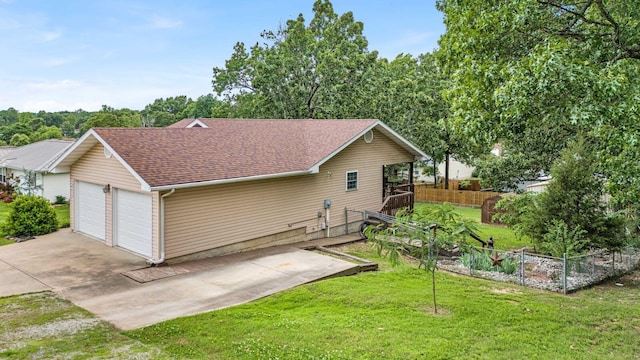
(67, 54)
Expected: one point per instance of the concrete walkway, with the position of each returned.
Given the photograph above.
(89, 274)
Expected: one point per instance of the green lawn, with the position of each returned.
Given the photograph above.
(376, 315)
(387, 315)
(503, 237)
(62, 211)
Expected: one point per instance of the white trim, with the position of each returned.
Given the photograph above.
(234, 180)
(143, 184)
(346, 177)
(419, 155)
(197, 122)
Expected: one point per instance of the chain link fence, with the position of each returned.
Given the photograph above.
(566, 274)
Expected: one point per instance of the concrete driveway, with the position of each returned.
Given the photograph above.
(89, 274)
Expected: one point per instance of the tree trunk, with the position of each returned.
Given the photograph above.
(435, 175)
(433, 290)
(446, 171)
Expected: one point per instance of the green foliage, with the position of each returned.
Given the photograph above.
(569, 210)
(482, 261)
(45, 133)
(534, 75)
(30, 216)
(560, 240)
(422, 234)
(60, 200)
(314, 70)
(19, 140)
(164, 112)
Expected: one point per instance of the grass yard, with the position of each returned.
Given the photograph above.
(388, 315)
(377, 315)
(503, 237)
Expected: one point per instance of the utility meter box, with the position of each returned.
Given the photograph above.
(327, 203)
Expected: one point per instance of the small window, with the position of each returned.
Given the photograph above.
(352, 180)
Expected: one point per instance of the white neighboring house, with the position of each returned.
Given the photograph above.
(457, 171)
(38, 157)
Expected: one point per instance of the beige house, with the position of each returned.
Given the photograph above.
(215, 186)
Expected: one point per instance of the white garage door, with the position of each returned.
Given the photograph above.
(133, 221)
(90, 210)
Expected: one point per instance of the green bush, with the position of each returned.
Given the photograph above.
(30, 216)
(60, 200)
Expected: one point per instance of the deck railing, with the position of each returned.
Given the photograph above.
(400, 199)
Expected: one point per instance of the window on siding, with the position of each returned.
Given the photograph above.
(352, 180)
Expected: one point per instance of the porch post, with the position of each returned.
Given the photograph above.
(411, 174)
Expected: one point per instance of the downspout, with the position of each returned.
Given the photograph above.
(327, 217)
(162, 252)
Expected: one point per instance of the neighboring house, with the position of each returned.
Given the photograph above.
(226, 185)
(38, 157)
(457, 171)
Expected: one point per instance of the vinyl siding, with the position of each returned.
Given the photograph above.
(55, 184)
(199, 219)
(94, 167)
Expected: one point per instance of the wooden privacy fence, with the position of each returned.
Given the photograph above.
(461, 197)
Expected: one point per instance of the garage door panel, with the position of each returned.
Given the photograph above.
(133, 222)
(90, 202)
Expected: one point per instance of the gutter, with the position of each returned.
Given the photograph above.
(162, 240)
(313, 170)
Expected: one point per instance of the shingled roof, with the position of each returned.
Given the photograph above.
(35, 156)
(226, 149)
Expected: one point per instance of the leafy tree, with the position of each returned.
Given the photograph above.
(46, 132)
(534, 74)
(109, 117)
(19, 140)
(163, 112)
(570, 213)
(30, 216)
(315, 70)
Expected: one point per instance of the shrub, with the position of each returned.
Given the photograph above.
(7, 193)
(60, 200)
(30, 216)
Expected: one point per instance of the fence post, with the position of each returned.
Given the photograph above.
(593, 267)
(613, 262)
(522, 281)
(564, 273)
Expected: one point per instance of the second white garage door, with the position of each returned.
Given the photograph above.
(133, 222)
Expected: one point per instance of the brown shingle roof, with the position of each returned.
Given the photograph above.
(229, 148)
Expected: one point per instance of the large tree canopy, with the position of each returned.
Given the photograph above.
(315, 70)
(534, 74)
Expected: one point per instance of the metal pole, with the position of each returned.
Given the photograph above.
(564, 273)
(522, 281)
(346, 221)
(473, 261)
(613, 262)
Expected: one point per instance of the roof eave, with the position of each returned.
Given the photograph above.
(59, 165)
(313, 170)
(417, 153)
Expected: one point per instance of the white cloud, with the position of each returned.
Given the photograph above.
(51, 35)
(53, 85)
(160, 22)
(58, 61)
